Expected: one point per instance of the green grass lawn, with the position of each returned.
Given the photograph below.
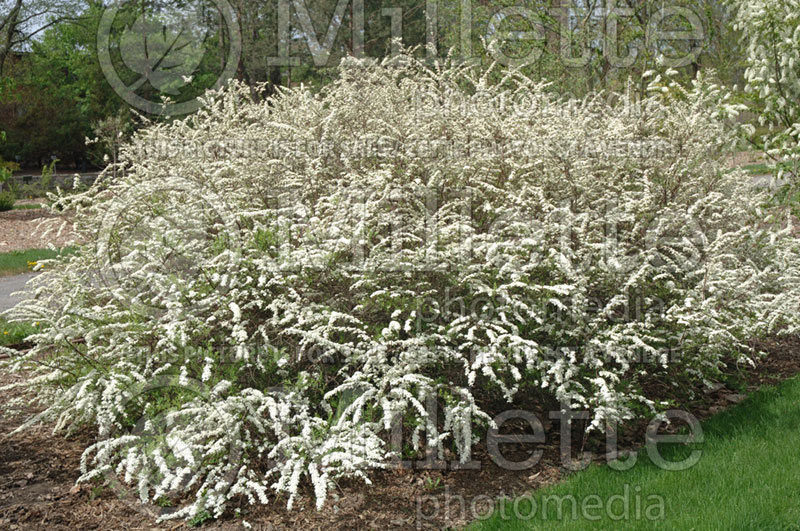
(757, 169)
(16, 262)
(33, 206)
(12, 333)
(748, 478)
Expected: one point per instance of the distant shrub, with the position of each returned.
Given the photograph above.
(268, 287)
(7, 200)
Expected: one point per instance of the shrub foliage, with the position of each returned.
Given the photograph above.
(271, 286)
(771, 41)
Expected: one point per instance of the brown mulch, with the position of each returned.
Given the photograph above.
(743, 158)
(38, 472)
(23, 229)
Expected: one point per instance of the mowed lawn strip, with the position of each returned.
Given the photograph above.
(748, 477)
(16, 262)
(15, 333)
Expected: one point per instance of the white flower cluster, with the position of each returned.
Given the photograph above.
(771, 35)
(244, 315)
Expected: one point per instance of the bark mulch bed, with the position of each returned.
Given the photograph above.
(23, 229)
(38, 472)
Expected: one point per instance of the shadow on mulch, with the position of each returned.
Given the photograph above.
(38, 472)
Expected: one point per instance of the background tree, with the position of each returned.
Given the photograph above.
(59, 90)
(25, 19)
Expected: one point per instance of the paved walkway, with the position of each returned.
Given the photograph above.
(9, 285)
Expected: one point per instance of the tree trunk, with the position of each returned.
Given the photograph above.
(275, 78)
(8, 27)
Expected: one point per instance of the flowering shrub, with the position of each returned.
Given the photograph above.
(771, 36)
(270, 287)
